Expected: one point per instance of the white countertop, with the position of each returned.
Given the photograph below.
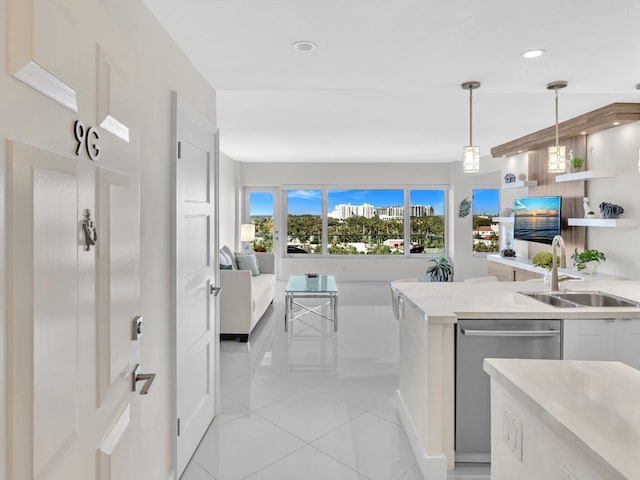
(594, 406)
(446, 302)
(525, 264)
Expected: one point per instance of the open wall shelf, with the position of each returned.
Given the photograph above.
(520, 184)
(586, 175)
(604, 222)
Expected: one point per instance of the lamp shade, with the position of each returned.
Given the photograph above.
(471, 159)
(247, 232)
(557, 159)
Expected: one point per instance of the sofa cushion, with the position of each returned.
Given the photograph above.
(248, 261)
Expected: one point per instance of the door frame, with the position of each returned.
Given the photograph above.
(178, 104)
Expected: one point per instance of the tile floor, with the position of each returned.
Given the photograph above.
(312, 404)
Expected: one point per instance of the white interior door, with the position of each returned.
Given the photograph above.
(74, 415)
(195, 272)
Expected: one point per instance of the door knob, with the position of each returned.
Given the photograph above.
(147, 378)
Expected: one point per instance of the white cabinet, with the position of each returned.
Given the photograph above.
(609, 339)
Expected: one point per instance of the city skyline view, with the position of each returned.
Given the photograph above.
(309, 202)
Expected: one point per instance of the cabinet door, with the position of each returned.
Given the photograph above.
(628, 341)
(504, 273)
(521, 275)
(589, 340)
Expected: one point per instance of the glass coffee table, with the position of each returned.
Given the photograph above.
(304, 286)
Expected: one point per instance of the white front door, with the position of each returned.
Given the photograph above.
(195, 267)
(74, 415)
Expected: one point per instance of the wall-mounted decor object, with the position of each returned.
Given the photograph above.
(465, 207)
(610, 210)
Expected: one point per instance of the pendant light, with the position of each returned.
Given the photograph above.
(557, 152)
(471, 153)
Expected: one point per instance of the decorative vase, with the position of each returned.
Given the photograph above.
(590, 267)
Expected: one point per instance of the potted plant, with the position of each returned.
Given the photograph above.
(587, 261)
(591, 214)
(576, 164)
(544, 260)
(440, 269)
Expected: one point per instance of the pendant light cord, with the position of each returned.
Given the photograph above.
(471, 117)
(557, 136)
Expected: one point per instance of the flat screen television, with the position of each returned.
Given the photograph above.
(536, 219)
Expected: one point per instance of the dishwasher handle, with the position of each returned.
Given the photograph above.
(509, 333)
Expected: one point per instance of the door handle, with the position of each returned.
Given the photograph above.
(215, 290)
(147, 378)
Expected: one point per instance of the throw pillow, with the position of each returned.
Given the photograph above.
(225, 261)
(227, 251)
(248, 261)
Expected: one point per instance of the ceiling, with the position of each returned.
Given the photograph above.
(384, 83)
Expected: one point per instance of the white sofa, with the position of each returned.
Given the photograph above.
(245, 298)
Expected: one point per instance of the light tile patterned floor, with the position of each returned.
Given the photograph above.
(312, 404)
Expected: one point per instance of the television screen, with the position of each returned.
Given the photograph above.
(536, 219)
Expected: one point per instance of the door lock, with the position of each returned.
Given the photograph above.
(137, 327)
(147, 378)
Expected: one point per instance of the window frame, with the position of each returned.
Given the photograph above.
(406, 189)
(484, 187)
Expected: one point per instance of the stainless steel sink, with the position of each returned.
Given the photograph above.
(551, 299)
(573, 299)
(597, 299)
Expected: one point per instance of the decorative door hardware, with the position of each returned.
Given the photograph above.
(147, 378)
(89, 231)
(87, 137)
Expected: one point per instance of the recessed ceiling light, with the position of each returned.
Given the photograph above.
(583, 133)
(533, 53)
(304, 46)
(616, 124)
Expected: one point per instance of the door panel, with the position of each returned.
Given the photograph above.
(117, 285)
(43, 299)
(194, 250)
(44, 48)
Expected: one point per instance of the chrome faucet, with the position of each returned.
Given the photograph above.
(557, 240)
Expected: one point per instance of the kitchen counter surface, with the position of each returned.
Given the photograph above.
(446, 302)
(592, 406)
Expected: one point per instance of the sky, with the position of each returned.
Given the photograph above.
(537, 204)
(486, 201)
(310, 201)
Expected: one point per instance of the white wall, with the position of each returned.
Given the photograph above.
(159, 67)
(371, 175)
(616, 148)
(229, 200)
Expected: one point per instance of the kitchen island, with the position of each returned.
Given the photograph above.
(428, 316)
(564, 419)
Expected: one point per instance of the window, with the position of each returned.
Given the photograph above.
(261, 215)
(366, 221)
(486, 204)
(427, 225)
(304, 221)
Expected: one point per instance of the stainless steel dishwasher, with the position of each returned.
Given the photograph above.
(480, 339)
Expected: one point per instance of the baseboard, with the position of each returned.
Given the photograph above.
(432, 467)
